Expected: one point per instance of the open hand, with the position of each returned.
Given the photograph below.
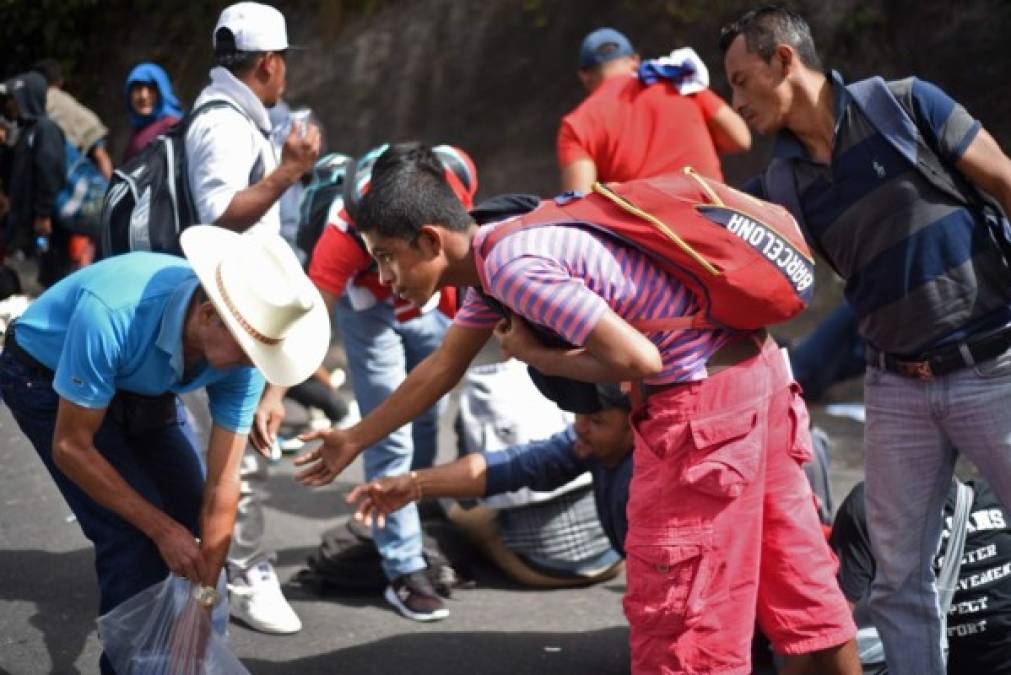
(328, 460)
(382, 497)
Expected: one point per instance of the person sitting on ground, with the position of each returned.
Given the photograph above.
(979, 621)
(91, 373)
(151, 105)
(639, 122)
(82, 126)
(599, 441)
(548, 538)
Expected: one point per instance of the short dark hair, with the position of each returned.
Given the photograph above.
(408, 190)
(51, 69)
(237, 62)
(765, 28)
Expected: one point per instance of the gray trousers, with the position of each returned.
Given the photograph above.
(915, 430)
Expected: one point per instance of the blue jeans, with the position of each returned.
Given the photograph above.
(915, 431)
(832, 352)
(381, 351)
(163, 467)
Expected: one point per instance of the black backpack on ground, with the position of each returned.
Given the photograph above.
(347, 562)
(148, 203)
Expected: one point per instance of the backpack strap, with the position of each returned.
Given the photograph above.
(917, 143)
(876, 101)
(947, 577)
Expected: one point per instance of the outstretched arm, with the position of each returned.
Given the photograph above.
(541, 465)
(420, 390)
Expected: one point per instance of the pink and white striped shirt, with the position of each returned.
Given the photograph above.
(565, 277)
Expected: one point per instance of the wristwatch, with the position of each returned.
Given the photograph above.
(206, 596)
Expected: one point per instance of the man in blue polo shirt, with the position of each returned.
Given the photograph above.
(91, 371)
(886, 179)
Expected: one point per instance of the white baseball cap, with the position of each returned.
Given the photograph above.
(256, 27)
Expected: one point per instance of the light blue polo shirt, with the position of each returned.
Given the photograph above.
(118, 324)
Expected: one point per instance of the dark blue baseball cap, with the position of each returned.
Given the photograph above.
(603, 45)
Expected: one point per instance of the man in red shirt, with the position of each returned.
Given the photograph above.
(632, 125)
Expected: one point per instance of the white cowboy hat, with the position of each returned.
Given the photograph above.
(264, 298)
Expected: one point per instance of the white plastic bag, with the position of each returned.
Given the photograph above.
(163, 631)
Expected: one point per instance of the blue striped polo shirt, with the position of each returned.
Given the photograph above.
(918, 266)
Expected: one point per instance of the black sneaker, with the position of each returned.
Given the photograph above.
(414, 597)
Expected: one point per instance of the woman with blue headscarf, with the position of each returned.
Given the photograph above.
(151, 104)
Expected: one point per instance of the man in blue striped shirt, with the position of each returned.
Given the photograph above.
(925, 274)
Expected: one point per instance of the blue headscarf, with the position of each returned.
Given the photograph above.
(168, 104)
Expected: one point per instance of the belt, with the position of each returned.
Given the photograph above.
(11, 346)
(729, 355)
(943, 360)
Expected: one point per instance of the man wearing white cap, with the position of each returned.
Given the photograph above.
(91, 371)
(236, 179)
(235, 176)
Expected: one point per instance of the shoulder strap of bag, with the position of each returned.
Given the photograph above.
(947, 577)
(917, 143)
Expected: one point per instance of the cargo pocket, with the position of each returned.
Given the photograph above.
(727, 455)
(801, 445)
(666, 586)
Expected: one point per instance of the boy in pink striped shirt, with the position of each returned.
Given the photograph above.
(719, 507)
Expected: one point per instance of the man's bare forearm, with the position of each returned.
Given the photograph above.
(220, 499)
(248, 206)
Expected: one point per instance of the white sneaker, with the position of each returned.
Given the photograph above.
(256, 600)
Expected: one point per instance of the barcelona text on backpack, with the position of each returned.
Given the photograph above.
(148, 203)
(745, 260)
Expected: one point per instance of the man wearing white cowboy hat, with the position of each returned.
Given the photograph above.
(91, 372)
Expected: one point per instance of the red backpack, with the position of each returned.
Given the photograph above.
(744, 259)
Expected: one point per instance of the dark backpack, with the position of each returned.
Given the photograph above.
(148, 203)
(328, 179)
(347, 561)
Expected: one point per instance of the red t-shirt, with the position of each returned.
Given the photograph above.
(631, 131)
